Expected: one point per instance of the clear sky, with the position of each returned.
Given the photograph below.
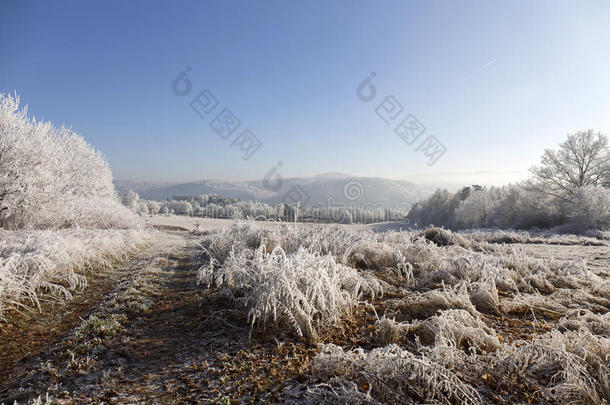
(495, 82)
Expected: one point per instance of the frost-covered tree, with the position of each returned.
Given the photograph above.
(475, 210)
(130, 200)
(142, 207)
(590, 208)
(153, 207)
(180, 207)
(434, 210)
(50, 177)
(582, 160)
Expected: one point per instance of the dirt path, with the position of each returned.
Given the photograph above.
(152, 337)
(28, 334)
(133, 320)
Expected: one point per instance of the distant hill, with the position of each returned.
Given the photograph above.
(327, 189)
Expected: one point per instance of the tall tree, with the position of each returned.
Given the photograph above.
(582, 160)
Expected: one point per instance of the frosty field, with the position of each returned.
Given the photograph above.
(245, 311)
(274, 202)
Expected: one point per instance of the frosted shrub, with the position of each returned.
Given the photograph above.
(484, 296)
(388, 331)
(252, 235)
(392, 375)
(377, 256)
(338, 392)
(301, 290)
(48, 173)
(100, 213)
(441, 237)
(474, 211)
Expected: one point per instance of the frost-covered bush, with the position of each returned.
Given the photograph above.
(454, 327)
(440, 237)
(243, 235)
(51, 178)
(180, 207)
(301, 290)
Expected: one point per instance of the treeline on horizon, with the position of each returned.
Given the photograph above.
(568, 192)
(216, 206)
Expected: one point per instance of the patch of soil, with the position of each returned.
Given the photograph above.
(29, 333)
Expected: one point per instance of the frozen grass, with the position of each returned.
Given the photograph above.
(591, 238)
(445, 293)
(569, 367)
(36, 265)
(580, 319)
(455, 328)
(417, 264)
(390, 375)
(301, 290)
(427, 304)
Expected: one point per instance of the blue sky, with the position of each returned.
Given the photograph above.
(496, 83)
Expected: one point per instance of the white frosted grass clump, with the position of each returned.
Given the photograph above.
(388, 331)
(337, 391)
(458, 328)
(569, 367)
(302, 290)
(582, 319)
(427, 304)
(535, 304)
(34, 264)
(453, 328)
(389, 375)
(250, 235)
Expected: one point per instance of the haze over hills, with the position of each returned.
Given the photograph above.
(455, 180)
(327, 188)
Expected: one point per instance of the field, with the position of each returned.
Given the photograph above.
(237, 311)
(301, 205)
